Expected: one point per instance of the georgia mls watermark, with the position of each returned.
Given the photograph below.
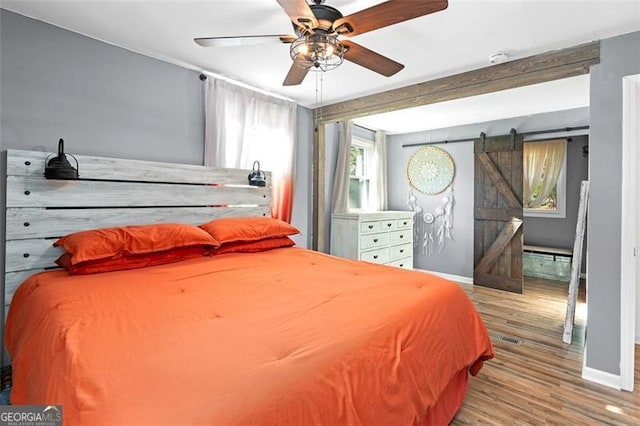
(30, 415)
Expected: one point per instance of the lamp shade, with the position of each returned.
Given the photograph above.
(59, 167)
(257, 177)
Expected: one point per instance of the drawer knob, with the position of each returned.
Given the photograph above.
(375, 256)
(401, 265)
(404, 223)
(401, 236)
(388, 224)
(370, 226)
(375, 240)
(401, 250)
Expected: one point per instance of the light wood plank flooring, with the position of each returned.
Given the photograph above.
(539, 381)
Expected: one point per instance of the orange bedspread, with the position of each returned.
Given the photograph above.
(288, 336)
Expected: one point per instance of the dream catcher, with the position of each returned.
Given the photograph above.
(431, 170)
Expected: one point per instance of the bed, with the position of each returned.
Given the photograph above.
(280, 336)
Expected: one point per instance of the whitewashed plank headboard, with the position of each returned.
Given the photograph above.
(111, 192)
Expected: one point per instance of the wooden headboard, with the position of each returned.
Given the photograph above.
(111, 192)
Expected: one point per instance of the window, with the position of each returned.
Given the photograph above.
(545, 170)
(360, 174)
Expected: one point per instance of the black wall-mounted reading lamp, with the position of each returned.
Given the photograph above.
(59, 167)
(257, 177)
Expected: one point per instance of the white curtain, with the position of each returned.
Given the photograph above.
(543, 162)
(378, 194)
(242, 126)
(340, 190)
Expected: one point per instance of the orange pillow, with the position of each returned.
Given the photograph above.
(132, 261)
(248, 229)
(254, 246)
(121, 241)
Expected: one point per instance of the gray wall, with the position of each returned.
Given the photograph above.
(101, 99)
(364, 133)
(457, 256)
(619, 56)
(555, 232)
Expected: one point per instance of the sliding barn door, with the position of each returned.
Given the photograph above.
(498, 212)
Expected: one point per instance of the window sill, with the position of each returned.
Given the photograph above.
(544, 214)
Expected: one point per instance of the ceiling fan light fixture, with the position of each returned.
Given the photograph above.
(317, 52)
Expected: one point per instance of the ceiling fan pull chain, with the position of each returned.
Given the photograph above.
(316, 109)
(321, 93)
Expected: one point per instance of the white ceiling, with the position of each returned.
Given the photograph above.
(544, 97)
(458, 39)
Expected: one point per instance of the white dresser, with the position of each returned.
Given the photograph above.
(379, 237)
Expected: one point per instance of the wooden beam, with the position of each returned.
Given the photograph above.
(505, 236)
(497, 214)
(25, 191)
(318, 242)
(31, 164)
(498, 180)
(25, 223)
(547, 66)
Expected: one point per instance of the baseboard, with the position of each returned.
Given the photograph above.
(456, 278)
(469, 280)
(601, 377)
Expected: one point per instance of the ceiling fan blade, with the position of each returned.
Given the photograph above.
(295, 75)
(299, 12)
(244, 40)
(369, 59)
(385, 14)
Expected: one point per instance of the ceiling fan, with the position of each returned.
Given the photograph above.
(317, 26)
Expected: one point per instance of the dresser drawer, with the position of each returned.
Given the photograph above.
(404, 250)
(388, 225)
(370, 241)
(375, 256)
(405, 223)
(402, 236)
(405, 263)
(368, 227)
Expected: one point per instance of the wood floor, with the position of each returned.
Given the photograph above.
(539, 381)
